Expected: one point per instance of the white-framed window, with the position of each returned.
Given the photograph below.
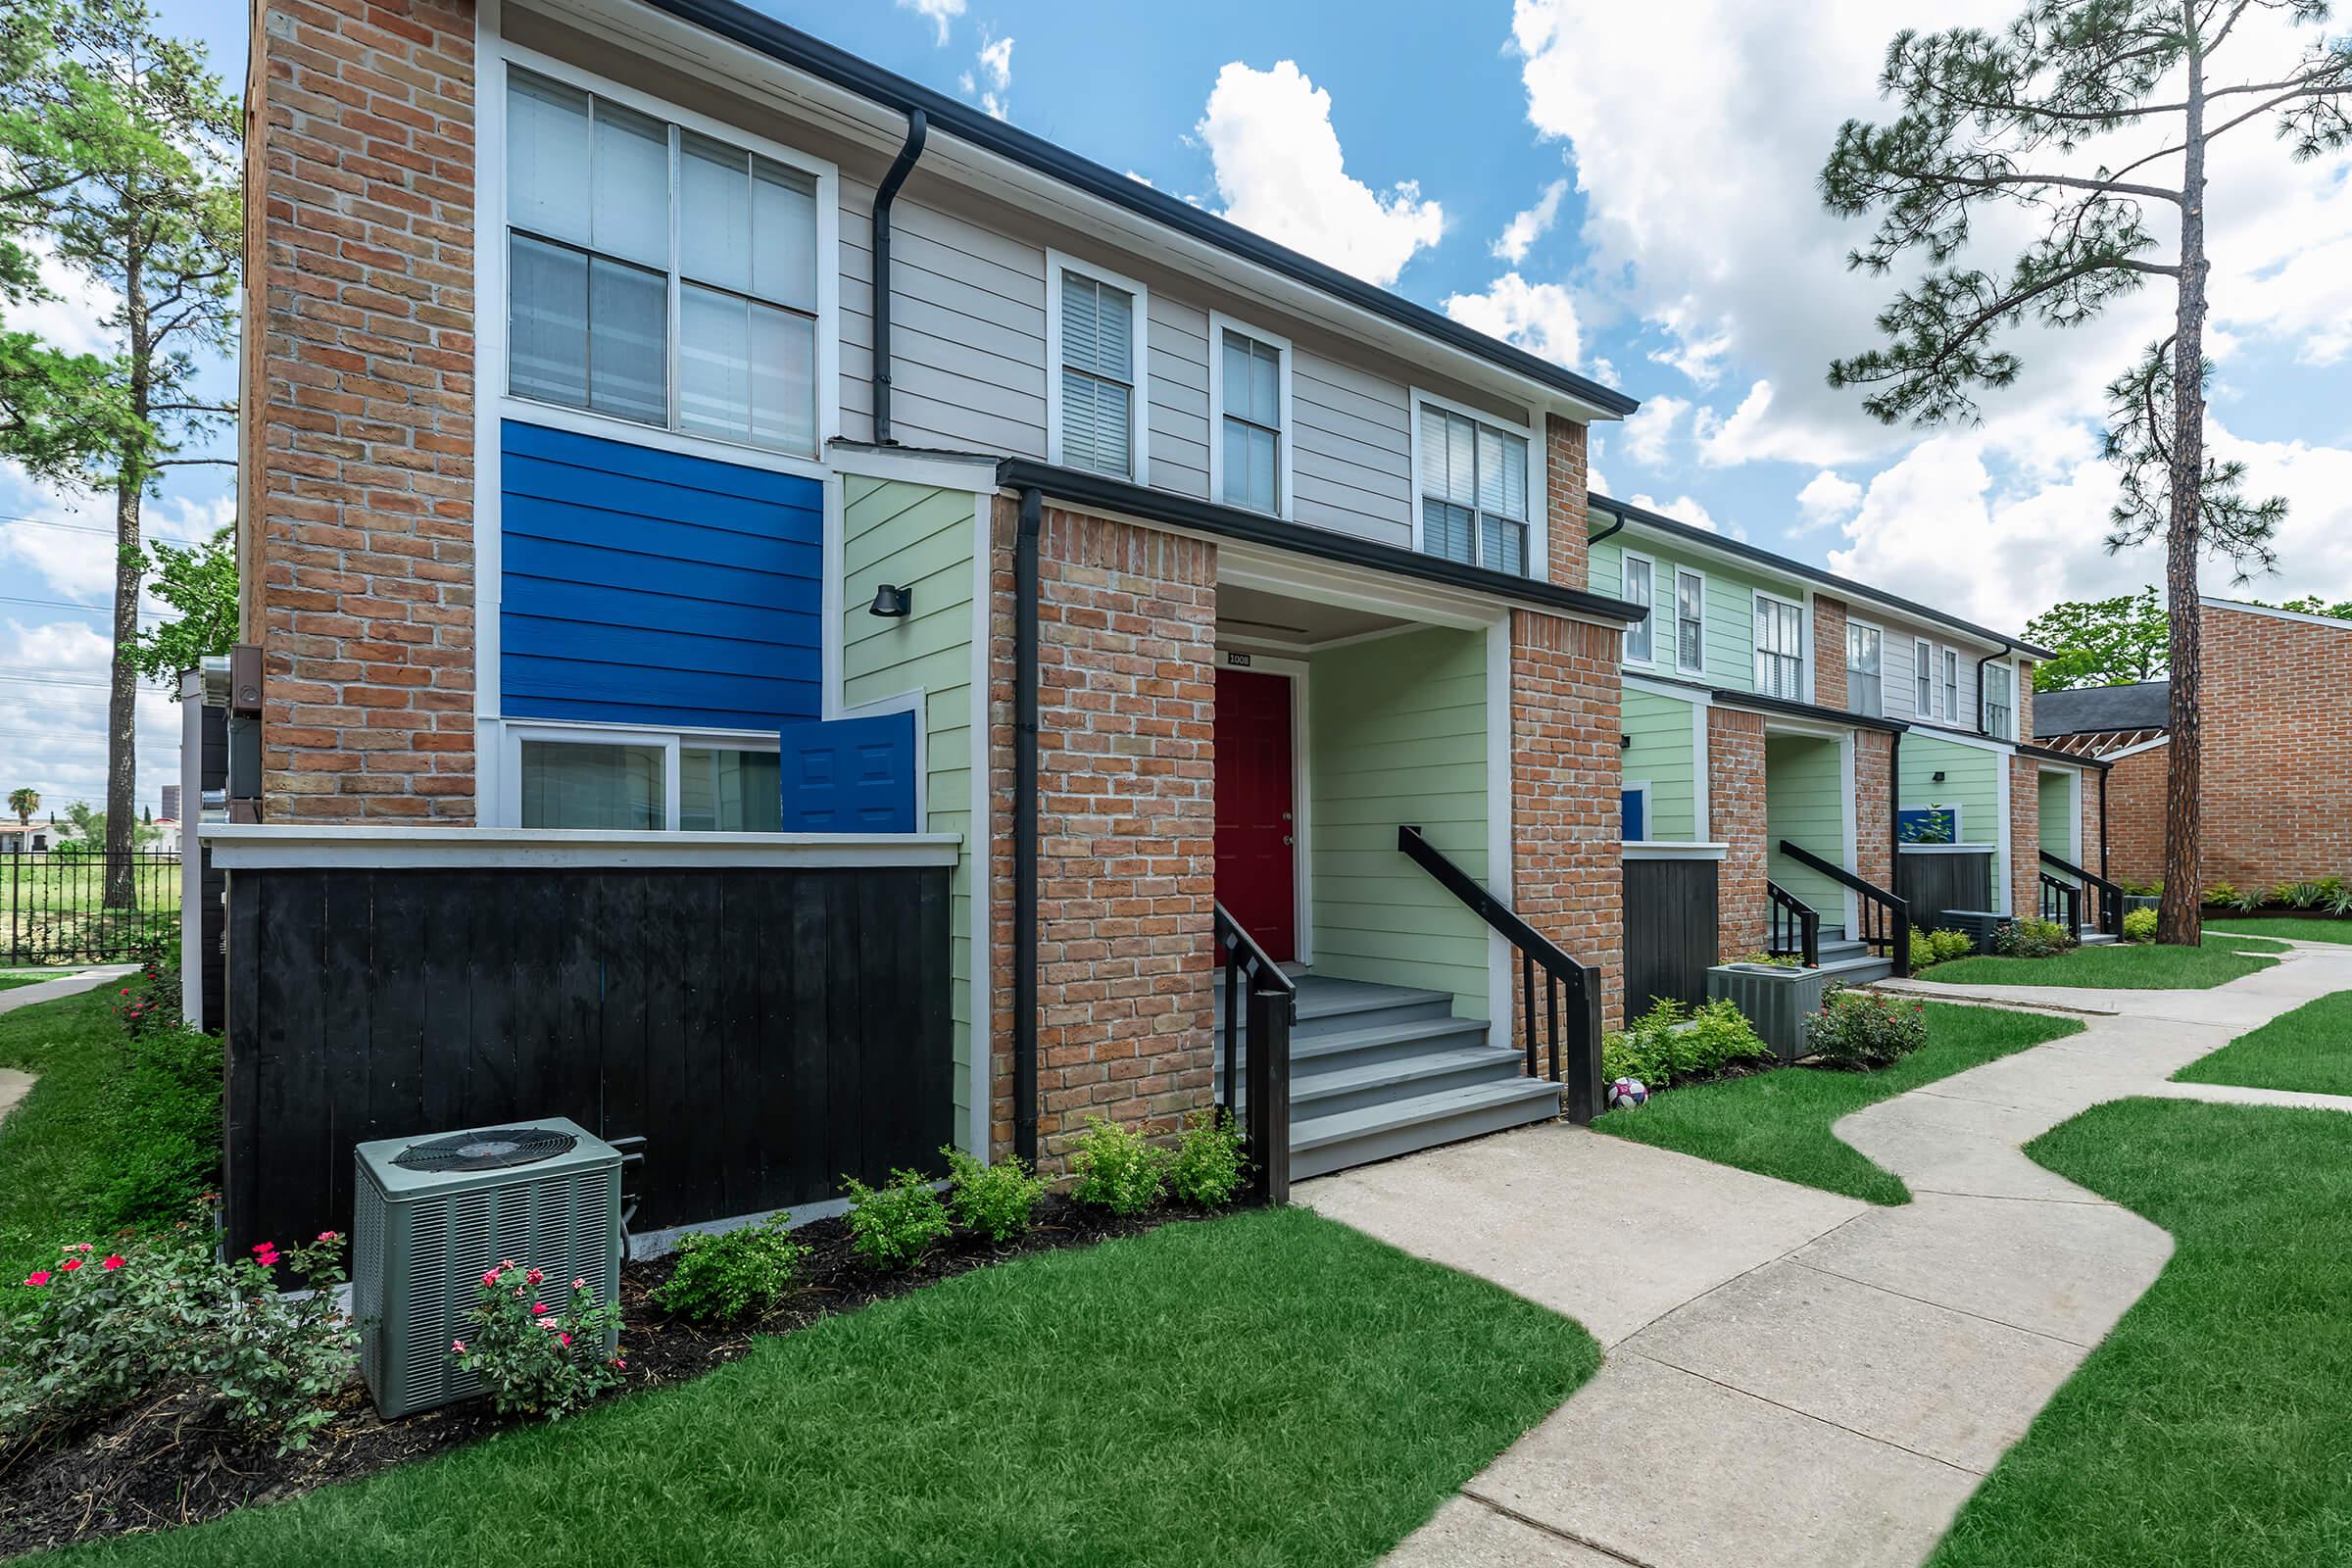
(1097, 382)
(1928, 824)
(1248, 416)
(641, 780)
(1999, 698)
(663, 269)
(1632, 813)
(1690, 621)
(1951, 685)
(1477, 497)
(1923, 678)
(1638, 584)
(1865, 659)
(1779, 627)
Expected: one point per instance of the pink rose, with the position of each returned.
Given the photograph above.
(71, 1264)
(563, 1340)
(539, 1310)
(549, 1323)
(39, 1276)
(533, 1276)
(457, 1347)
(329, 1236)
(579, 1285)
(490, 1277)
(114, 1261)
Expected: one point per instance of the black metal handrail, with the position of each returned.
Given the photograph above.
(1795, 926)
(2110, 902)
(1564, 979)
(2062, 903)
(1261, 999)
(1886, 916)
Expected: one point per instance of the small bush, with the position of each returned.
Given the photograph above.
(150, 1001)
(2033, 939)
(1776, 960)
(1118, 1169)
(1857, 1030)
(998, 1201)
(1674, 1044)
(2246, 903)
(1949, 945)
(535, 1358)
(1207, 1171)
(2222, 895)
(2139, 925)
(2339, 903)
(893, 1225)
(733, 1275)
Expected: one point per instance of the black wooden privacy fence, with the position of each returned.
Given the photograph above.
(766, 1029)
(60, 906)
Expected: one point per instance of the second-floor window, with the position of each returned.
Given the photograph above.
(1780, 649)
(1923, 679)
(1097, 388)
(1639, 587)
(1952, 687)
(708, 325)
(1998, 700)
(1689, 623)
(1250, 402)
(1865, 692)
(1474, 491)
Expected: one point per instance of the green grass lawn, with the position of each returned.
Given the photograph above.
(8, 980)
(2295, 928)
(1265, 1388)
(2213, 1428)
(1777, 1123)
(2309, 1048)
(2122, 966)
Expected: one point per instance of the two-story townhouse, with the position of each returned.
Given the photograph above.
(676, 446)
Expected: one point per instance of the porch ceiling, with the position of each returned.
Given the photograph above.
(1253, 615)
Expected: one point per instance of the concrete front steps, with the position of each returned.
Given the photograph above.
(1849, 962)
(1378, 1071)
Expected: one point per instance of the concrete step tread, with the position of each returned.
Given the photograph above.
(1403, 1071)
(1444, 1034)
(1318, 1132)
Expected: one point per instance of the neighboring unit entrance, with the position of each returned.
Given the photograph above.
(1256, 879)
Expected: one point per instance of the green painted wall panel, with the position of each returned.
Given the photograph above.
(1971, 782)
(912, 534)
(1396, 734)
(1804, 802)
(1663, 755)
(1729, 619)
(2057, 812)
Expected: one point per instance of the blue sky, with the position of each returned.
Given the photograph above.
(1682, 257)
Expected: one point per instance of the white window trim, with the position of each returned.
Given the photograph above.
(1854, 623)
(1755, 640)
(490, 257)
(1947, 682)
(1700, 578)
(1624, 556)
(1539, 469)
(1984, 702)
(1640, 787)
(1924, 669)
(1138, 445)
(1219, 323)
(513, 732)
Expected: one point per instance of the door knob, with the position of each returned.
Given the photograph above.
(1286, 837)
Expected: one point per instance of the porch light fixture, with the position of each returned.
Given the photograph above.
(1624, 743)
(892, 602)
(1935, 778)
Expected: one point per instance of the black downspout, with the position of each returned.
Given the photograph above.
(1615, 528)
(1894, 808)
(917, 127)
(1024, 828)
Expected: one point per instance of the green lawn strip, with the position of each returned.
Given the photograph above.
(9, 980)
(2309, 1050)
(1777, 1123)
(2119, 966)
(1265, 1388)
(2295, 928)
(55, 1146)
(2212, 1428)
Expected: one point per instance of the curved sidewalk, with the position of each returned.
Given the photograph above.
(1795, 1378)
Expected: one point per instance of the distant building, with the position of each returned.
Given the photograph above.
(170, 809)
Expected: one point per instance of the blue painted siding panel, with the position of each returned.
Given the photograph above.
(850, 775)
(648, 587)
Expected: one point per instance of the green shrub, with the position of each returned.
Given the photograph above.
(1949, 945)
(2139, 925)
(2033, 939)
(1776, 960)
(1922, 950)
(533, 1357)
(2339, 903)
(2246, 903)
(1118, 1169)
(1207, 1171)
(2222, 895)
(996, 1202)
(2149, 890)
(1674, 1044)
(150, 1001)
(732, 1275)
(1860, 1030)
(893, 1225)
(163, 1118)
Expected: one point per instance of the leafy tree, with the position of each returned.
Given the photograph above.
(2313, 605)
(2101, 642)
(200, 582)
(116, 163)
(2009, 121)
(25, 803)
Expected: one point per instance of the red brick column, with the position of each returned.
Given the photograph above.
(1828, 652)
(1567, 872)
(1736, 818)
(356, 450)
(1874, 807)
(1565, 477)
(2025, 838)
(1127, 827)
(2093, 824)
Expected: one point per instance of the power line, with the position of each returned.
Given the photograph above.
(72, 604)
(104, 534)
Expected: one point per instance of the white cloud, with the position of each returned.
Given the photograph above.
(1750, 434)
(1683, 509)
(992, 77)
(1279, 170)
(1540, 318)
(1524, 230)
(1648, 427)
(1828, 497)
(942, 14)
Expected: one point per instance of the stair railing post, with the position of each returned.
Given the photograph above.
(1269, 1071)
(1584, 1048)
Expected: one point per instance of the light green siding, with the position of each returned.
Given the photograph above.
(1805, 803)
(1661, 755)
(912, 534)
(1397, 736)
(1731, 633)
(1971, 782)
(2057, 809)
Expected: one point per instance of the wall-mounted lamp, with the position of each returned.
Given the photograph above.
(1937, 778)
(1624, 743)
(891, 603)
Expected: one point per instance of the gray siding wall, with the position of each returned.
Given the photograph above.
(1352, 450)
(1178, 411)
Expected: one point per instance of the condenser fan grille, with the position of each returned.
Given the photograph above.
(495, 1149)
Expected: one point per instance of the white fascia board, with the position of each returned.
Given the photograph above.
(271, 845)
(1665, 849)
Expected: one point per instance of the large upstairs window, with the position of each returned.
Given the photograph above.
(1474, 489)
(1639, 579)
(1094, 394)
(2000, 710)
(1865, 689)
(1780, 648)
(1250, 406)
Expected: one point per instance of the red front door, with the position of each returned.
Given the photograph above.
(1255, 830)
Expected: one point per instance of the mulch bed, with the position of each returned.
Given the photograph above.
(170, 1460)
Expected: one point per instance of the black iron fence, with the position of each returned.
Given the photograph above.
(59, 906)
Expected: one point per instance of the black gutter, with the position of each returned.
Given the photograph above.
(1756, 702)
(918, 128)
(1086, 488)
(1618, 526)
(767, 37)
(1024, 828)
(1798, 568)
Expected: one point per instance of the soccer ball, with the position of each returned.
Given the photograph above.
(1627, 1093)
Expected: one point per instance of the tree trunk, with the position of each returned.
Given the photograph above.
(2178, 916)
(130, 567)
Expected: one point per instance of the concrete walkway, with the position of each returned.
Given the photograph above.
(15, 1085)
(1794, 1378)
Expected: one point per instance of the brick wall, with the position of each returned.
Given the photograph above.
(1736, 815)
(1567, 873)
(1570, 554)
(357, 441)
(2276, 713)
(2092, 823)
(1874, 807)
(2025, 837)
(1829, 650)
(2135, 819)
(1127, 826)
